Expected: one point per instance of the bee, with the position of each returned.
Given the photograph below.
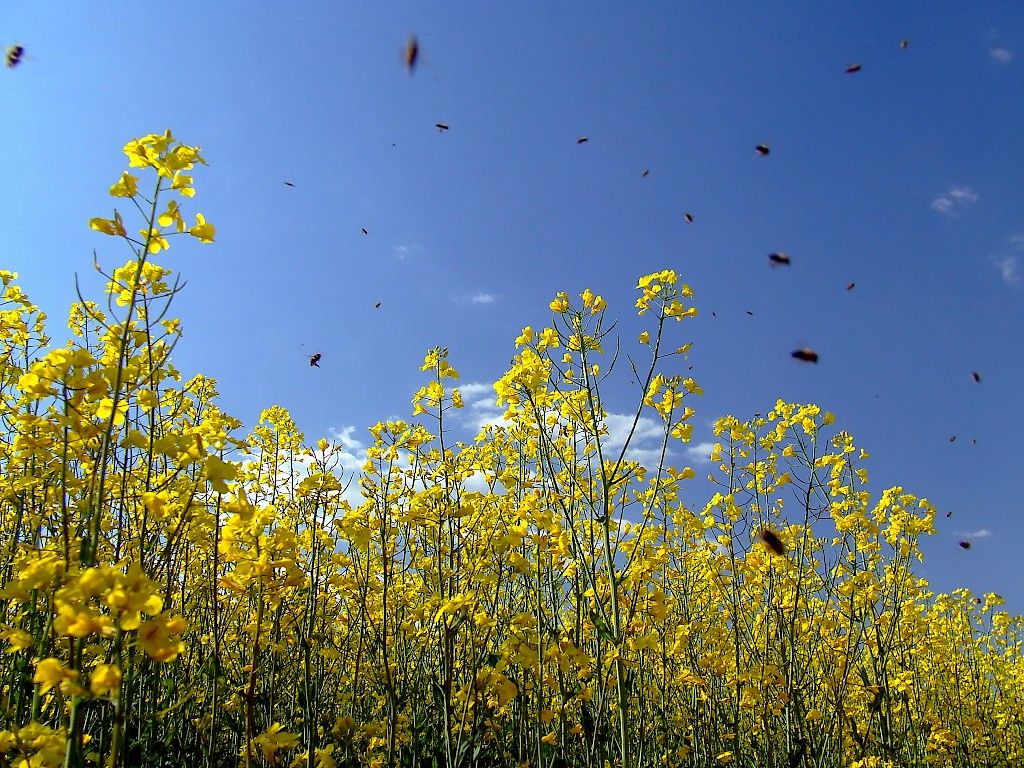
(582, 140)
(779, 259)
(763, 150)
(14, 55)
(952, 438)
(377, 305)
(750, 313)
(772, 541)
(315, 360)
(904, 43)
(976, 376)
(412, 53)
(965, 544)
(850, 286)
(806, 355)
(364, 231)
(949, 514)
(688, 217)
(645, 173)
(442, 127)
(853, 69)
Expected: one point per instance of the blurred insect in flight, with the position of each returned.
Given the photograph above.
(779, 259)
(850, 286)
(688, 217)
(806, 355)
(14, 55)
(412, 53)
(853, 69)
(965, 545)
(976, 376)
(442, 127)
(315, 360)
(772, 541)
(582, 140)
(763, 150)
(645, 173)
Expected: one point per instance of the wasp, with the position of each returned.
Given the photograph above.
(14, 55)
(806, 355)
(315, 360)
(779, 258)
(763, 150)
(853, 69)
(412, 53)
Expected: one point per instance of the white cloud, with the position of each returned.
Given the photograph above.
(1017, 241)
(1009, 268)
(483, 298)
(982, 533)
(402, 252)
(700, 453)
(954, 197)
(477, 394)
(1002, 55)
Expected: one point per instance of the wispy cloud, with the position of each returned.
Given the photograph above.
(981, 533)
(954, 197)
(1002, 55)
(700, 453)
(1009, 269)
(483, 298)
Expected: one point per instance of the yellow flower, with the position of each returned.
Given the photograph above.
(202, 230)
(51, 673)
(157, 242)
(105, 678)
(560, 303)
(126, 186)
(113, 226)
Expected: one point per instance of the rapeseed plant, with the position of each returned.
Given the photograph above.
(176, 593)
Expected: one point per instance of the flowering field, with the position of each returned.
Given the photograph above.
(176, 592)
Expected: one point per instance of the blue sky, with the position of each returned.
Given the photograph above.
(904, 178)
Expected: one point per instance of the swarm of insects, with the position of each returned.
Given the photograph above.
(806, 355)
(763, 150)
(852, 69)
(772, 541)
(779, 259)
(412, 53)
(14, 54)
(315, 360)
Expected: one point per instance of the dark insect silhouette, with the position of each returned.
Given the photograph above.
(974, 441)
(779, 259)
(582, 140)
(806, 355)
(644, 174)
(412, 53)
(315, 360)
(713, 314)
(904, 43)
(853, 69)
(688, 217)
(364, 231)
(772, 541)
(442, 127)
(949, 514)
(763, 150)
(750, 313)
(952, 438)
(850, 286)
(377, 305)
(14, 55)
(976, 376)
(965, 544)
(289, 184)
